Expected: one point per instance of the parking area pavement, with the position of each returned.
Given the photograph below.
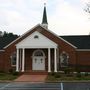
(45, 86)
(76, 86)
(29, 86)
(3, 85)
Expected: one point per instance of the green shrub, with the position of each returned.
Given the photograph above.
(69, 75)
(86, 74)
(52, 73)
(78, 74)
(57, 75)
(66, 70)
(11, 70)
(2, 74)
(15, 73)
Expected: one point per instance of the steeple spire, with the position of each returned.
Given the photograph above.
(44, 19)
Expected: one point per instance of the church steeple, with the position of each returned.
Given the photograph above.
(44, 19)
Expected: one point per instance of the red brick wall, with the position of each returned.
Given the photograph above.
(1, 60)
(62, 45)
(83, 57)
(72, 55)
(7, 59)
(83, 60)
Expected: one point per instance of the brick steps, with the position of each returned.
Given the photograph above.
(35, 73)
(31, 78)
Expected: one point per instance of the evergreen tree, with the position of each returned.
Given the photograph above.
(0, 33)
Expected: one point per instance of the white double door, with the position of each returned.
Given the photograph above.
(38, 63)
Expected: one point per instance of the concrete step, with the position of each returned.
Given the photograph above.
(36, 73)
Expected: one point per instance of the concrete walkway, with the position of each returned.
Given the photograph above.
(31, 78)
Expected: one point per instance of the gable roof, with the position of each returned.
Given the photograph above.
(21, 37)
(77, 41)
(39, 28)
(40, 41)
(80, 41)
(5, 40)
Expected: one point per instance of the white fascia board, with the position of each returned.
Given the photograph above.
(59, 37)
(49, 44)
(20, 36)
(82, 49)
(2, 50)
(32, 47)
(45, 29)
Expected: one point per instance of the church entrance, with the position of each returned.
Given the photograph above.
(38, 60)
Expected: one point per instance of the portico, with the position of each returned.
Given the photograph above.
(36, 42)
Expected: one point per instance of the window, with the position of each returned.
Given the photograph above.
(13, 59)
(36, 37)
(64, 59)
(38, 53)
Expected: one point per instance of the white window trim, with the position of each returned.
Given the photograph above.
(61, 58)
(12, 61)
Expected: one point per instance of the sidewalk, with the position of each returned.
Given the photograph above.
(31, 78)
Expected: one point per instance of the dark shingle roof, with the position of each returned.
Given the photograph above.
(80, 41)
(5, 40)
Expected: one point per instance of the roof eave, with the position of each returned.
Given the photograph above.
(45, 29)
(2, 50)
(21, 36)
(82, 49)
(59, 37)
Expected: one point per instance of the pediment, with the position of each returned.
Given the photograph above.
(36, 40)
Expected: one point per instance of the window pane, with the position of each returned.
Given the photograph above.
(38, 53)
(64, 59)
(13, 59)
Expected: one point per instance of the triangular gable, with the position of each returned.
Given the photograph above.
(54, 36)
(23, 36)
(36, 40)
(49, 34)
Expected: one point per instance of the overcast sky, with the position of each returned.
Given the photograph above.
(65, 17)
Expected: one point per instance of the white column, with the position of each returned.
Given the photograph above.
(17, 61)
(20, 59)
(55, 61)
(23, 59)
(49, 60)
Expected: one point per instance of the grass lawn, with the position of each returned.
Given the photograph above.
(7, 76)
(52, 77)
(67, 77)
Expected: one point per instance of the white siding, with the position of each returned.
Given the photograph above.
(40, 42)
